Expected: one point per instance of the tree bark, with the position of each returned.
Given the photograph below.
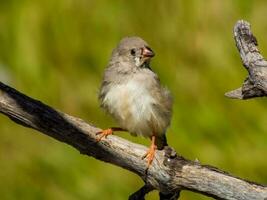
(169, 173)
(255, 85)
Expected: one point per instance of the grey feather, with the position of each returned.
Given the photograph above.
(131, 92)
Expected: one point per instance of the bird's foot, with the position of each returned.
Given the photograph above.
(104, 133)
(150, 154)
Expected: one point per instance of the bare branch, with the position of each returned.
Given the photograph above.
(169, 173)
(256, 83)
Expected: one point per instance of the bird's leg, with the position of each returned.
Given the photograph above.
(104, 133)
(151, 151)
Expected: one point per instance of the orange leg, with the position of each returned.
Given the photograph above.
(150, 154)
(106, 132)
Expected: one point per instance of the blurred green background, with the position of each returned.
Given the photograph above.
(56, 51)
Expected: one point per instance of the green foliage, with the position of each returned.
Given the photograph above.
(56, 51)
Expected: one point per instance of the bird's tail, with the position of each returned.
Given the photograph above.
(161, 141)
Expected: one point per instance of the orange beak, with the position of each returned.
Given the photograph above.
(147, 52)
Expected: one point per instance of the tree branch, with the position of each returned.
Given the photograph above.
(169, 173)
(255, 85)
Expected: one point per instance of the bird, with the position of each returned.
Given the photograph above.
(131, 92)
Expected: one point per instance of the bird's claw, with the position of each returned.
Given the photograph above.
(150, 154)
(104, 134)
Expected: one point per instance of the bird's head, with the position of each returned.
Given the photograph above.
(133, 51)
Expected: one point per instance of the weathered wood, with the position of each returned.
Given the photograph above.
(169, 173)
(256, 83)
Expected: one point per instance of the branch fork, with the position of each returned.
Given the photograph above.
(255, 85)
(169, 172)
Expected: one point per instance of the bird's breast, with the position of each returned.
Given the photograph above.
(132, 104)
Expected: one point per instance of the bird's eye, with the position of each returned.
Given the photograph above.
(133, 52)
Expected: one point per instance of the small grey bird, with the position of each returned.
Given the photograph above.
(131, 92)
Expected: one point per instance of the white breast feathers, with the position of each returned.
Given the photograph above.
(131, 104)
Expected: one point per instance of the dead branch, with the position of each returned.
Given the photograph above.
(169, 173)
(255, 85)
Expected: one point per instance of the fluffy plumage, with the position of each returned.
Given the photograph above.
(132, 94)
